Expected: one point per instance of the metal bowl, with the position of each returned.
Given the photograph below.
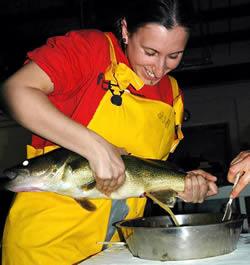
(199, 236)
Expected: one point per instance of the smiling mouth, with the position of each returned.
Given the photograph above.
(150, 74)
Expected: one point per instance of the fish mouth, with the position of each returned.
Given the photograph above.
(29, 189)
(11, 181)
(20, 181)
(16, 188)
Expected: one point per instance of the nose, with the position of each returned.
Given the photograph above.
(160, 68)
(10, 174)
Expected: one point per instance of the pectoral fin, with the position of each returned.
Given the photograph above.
(89, 186)
(167, 197)
(86, 204)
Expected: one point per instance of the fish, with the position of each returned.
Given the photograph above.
(67, 173)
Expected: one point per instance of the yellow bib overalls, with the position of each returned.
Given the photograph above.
(50, 229)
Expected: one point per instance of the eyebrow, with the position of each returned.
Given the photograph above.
(158, 51)
(150, 49)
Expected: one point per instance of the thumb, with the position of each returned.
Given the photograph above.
(213, 189)
(238, 188)
(123, 151)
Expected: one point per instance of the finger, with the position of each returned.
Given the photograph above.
(102, 184)
(237, 190)
(236, 160)
(210, 177)
(106, 183)
(99, 183)
(243, 182)
(240, 157)
(119, 182)
(181, 195)
(123, 151)
(109, 183)
(230, 176)
(114, 184)
(203, 186)
(233, 171)
(112, 187)
(187, 186)
(195, 189)
(187, 193)
(213, 189)
(106, 189)
(121, 179)
(203, 173)
(207, 175)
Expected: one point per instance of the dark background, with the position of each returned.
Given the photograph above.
(214, 46)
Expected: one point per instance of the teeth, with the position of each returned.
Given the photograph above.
(150, 74)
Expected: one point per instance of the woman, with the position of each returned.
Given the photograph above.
(84, 92)
(241, 164)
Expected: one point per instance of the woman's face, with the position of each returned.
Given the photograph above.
(153, 51)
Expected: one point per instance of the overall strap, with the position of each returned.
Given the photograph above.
(178, 109)
(119, 74)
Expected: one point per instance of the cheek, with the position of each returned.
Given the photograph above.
(137, 58)
(172, 64)
(139, 62)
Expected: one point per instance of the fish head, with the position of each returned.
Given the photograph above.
(60, 171)
(34, 174)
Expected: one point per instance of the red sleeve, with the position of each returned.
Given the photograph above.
(69, 60)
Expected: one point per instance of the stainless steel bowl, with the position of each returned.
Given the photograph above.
(199, 236)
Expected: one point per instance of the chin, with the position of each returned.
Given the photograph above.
(147, 81)
(151, 83)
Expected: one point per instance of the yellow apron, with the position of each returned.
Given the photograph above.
(47, 228)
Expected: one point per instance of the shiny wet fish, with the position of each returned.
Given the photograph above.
(67, 173)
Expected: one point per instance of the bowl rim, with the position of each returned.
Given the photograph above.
(120, 225)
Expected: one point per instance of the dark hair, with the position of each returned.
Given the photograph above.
(168, 13)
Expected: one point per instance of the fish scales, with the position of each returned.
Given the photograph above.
(67, 173)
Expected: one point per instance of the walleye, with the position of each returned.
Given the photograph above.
(67, 173)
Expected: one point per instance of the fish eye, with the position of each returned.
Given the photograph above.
(25, 163)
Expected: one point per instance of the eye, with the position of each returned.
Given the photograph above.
(149, 53)
(25, 163)
(174, 55)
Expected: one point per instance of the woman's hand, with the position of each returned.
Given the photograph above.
(241, 164)
(107, 164)
(198, 185)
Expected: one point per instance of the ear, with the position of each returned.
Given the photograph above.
(124, 30)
